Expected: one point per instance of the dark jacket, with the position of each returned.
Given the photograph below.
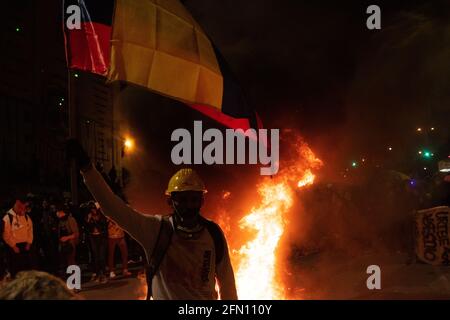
(97, 226)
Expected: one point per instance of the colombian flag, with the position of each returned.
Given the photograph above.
(158, 45)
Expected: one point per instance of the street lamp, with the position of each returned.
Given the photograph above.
(128, 144)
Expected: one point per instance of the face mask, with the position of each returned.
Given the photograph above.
(187, 229)
(185, 213)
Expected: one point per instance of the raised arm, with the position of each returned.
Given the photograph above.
(143, 228)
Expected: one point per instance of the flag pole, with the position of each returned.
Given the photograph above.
(73, 134)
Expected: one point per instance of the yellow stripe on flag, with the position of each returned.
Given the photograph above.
(157, 44)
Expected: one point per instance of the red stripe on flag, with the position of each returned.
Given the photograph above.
(89, 47)
(230, 122)
(259, 122)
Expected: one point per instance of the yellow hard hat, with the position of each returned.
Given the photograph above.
(185, 180)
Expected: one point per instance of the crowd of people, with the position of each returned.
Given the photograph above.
(49, 234)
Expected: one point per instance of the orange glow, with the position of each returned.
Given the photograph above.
(129, 144)
(255, 275)
(307, 179)
(226, 195)
(142, 288)
(255, 262)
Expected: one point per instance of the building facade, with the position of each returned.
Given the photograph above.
(34, 103)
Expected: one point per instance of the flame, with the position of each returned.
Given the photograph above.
(256, 271)
(226, 195)
(255, 262)
(308, 178)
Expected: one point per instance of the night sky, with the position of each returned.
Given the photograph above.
(315, 67)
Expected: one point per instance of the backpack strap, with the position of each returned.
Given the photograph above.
(10, 217)
(218, 238)
(161, 246)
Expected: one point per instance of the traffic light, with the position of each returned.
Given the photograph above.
(426, 154)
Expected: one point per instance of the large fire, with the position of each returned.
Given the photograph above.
(255, 262)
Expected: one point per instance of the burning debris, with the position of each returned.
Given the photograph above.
(256, 262)
(226, 195)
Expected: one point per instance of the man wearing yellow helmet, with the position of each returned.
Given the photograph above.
(185, 195)
(186, 252)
